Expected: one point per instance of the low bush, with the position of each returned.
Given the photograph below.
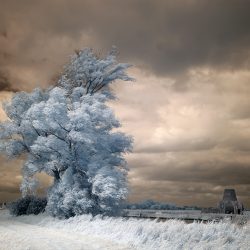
(27, 205)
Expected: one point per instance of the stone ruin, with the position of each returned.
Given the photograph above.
(230, 204)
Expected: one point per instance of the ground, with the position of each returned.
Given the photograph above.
(86, 232)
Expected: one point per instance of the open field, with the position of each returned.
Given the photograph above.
(86, 232)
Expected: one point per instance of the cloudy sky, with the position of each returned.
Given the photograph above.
(188, 111)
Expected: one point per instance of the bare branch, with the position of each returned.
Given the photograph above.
(61, 126)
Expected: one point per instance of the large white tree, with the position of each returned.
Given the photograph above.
(68, 132)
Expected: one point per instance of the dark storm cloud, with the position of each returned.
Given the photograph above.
(185, 178)
(223, 173)
(187, 192)
(5, 84)
(167, 37)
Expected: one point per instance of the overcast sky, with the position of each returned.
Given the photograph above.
(188, 111)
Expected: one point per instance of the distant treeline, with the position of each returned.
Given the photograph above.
(156, 205)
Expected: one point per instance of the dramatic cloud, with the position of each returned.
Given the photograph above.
(4, 83)
(189, 110)
(198, 139)
(168, 37)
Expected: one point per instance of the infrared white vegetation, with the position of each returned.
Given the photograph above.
(87, 232)
(67, 132)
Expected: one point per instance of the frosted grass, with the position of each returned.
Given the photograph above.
(147, 234)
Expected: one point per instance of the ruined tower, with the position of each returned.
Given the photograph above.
(230, 204)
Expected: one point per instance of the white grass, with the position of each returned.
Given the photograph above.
(87, 232)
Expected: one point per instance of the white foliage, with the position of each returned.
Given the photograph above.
(66, 132)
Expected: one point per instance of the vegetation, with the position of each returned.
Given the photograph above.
(28, 205)
(67, 132)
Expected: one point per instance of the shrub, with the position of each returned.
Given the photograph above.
(27, 205)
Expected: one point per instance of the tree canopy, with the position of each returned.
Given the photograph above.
(67, 131)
